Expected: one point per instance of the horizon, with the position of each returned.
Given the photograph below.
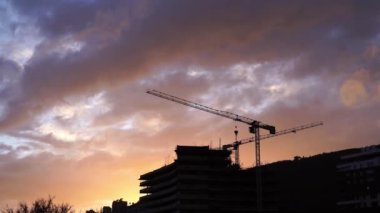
(75, 119)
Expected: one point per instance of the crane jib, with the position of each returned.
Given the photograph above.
(253, 123)
(281, 132)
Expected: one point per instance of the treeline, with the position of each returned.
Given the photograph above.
(40, 206)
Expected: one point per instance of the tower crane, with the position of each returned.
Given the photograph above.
(254, 127)
(235, 145)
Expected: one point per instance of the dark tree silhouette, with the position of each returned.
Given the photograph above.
(41, 206)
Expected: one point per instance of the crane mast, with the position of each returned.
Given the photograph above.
(235, 145)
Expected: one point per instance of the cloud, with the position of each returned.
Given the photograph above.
(77, 103)
(5, 148)
(101, 175)
(176, 33)
(377, 96)
(17, 36)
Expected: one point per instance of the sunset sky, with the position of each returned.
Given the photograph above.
(75, 119)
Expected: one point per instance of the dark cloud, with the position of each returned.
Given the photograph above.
(9, 75)
(5, 148)
(9, 71)
(187, 33)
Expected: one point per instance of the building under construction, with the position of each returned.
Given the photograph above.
(204, 180)
(200, 180)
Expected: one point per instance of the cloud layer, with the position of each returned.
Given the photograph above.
(74, 97)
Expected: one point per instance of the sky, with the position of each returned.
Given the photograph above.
(75, 119)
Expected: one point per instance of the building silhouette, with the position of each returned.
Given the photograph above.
(200, 180)
(106, 209)
(119, 206)
(204, 180)
(359, 180)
